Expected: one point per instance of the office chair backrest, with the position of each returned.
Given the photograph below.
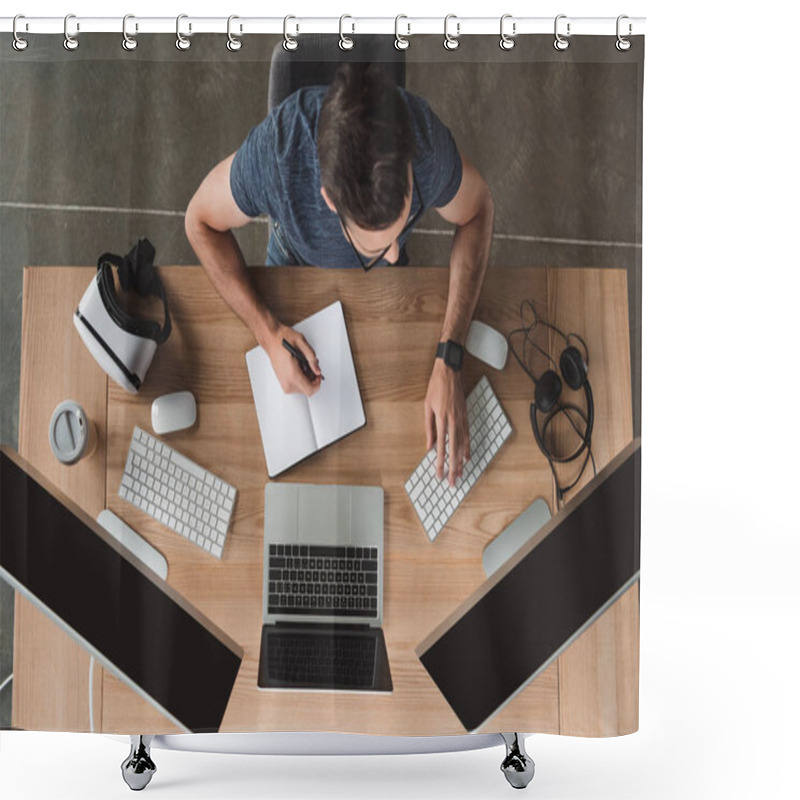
(317, 57)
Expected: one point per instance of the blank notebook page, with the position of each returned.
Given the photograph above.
(336, 408)
(294, 426)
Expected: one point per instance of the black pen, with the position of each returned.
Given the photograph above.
(303, 362)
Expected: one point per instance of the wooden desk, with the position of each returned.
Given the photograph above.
(393, 319)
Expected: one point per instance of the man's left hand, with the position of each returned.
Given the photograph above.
(446, 420)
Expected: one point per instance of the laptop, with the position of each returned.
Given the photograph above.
(323, 589)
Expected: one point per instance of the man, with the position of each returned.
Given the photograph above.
(344, 173)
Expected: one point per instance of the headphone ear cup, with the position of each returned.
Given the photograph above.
(573, 368)
(547, 392)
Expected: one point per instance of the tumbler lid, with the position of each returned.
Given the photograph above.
(69, 432)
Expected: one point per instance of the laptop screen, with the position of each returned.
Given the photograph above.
(158, 644)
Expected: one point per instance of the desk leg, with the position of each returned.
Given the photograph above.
(517, 766)
(138, 768)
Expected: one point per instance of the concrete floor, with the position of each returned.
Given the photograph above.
(100, 147)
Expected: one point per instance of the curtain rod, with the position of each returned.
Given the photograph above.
(73, 26)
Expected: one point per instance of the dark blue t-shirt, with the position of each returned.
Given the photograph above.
(276, 172)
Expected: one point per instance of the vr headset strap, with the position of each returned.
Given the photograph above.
(136, 271)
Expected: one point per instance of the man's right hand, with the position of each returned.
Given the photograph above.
(210, 219)
(290, 375)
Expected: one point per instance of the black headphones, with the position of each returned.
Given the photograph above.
(548, 403)
(137, 272)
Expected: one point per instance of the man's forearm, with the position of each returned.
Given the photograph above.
(222, 259)
(469, 257)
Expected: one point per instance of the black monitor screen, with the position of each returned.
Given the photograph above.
(156, 643)
(518, 627)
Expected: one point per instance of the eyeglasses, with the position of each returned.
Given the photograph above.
(368, 265)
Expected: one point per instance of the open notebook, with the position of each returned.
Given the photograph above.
(294, 426)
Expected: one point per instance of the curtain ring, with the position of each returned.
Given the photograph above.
(70, 42)
(622, 43)
(289, 42)
(401, 42)
(182, 43)
(507, 42)
(561, 43)
(128, 42)
(345, 42)
(234, 43)
(19, 44)
(450, 41)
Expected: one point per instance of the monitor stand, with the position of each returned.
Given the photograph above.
(503, 546)
(133, 542)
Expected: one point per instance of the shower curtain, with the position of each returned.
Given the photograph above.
(449, 237)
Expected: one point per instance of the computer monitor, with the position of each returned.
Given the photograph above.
(533, 607)
(108, 601)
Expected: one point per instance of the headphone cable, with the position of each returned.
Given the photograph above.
(586, 442)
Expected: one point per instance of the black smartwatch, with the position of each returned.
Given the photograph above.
(452, 353)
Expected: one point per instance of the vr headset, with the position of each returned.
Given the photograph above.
(121, 344)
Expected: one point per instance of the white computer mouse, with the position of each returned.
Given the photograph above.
(487, 344)
(173, 412)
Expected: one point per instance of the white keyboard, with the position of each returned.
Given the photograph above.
(435, 500)
(177, 492)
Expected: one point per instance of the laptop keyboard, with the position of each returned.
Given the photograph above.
(315, 579)
(341, 660)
